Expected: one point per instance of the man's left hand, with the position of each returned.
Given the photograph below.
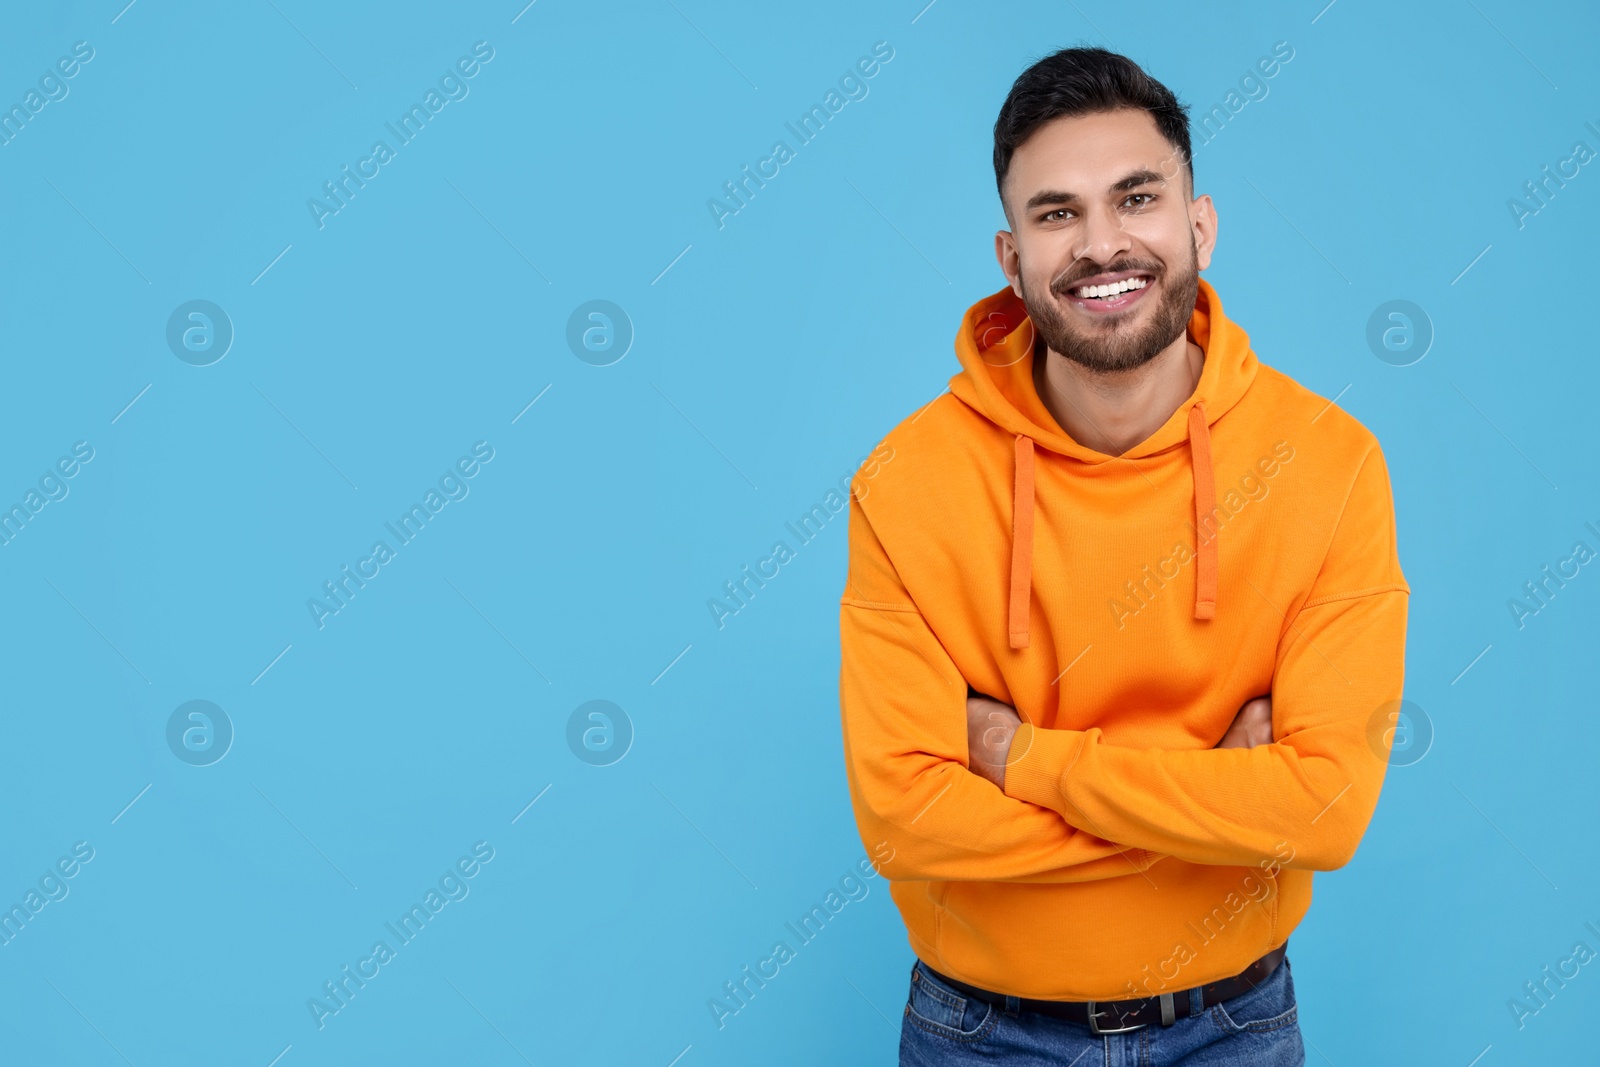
(990, 727)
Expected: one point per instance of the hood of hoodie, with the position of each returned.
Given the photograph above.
(996, 347)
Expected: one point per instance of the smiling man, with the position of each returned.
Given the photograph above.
(1123, 628)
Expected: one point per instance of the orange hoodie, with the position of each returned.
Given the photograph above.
(1127, 607)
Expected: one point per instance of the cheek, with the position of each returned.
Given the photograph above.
(1047, 258)
(1036, 270)
(1164, 236)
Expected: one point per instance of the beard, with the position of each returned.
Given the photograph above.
(1116, 346)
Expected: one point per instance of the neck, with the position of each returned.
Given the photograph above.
(1113, 412)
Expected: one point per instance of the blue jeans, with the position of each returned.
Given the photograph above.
(943, 1028)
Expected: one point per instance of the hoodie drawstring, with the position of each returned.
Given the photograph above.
(1021, 543)
(1205, 503)
(1022, 508)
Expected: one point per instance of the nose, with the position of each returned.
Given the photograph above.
(1102, 237)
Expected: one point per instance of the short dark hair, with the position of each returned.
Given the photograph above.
(1084, 81)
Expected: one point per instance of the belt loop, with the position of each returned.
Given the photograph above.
(1169, 1014)
(1197, 1002)
(1013, 1005)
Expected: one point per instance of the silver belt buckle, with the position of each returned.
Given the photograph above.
(1094, 1025)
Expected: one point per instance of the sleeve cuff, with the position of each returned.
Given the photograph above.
(1038, 764)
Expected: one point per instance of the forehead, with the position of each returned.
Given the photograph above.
(1084, 154)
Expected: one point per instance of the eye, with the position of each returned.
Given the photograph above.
(1145, 199)
(1050, 216)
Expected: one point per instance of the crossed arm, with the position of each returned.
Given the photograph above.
(961, 789)
(992, 725)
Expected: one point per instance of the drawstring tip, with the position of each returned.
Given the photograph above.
(1019, 640)
(1205, 609)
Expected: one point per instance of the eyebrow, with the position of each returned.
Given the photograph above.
(1145, 176)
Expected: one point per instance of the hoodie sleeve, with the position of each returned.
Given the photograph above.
(1339, 670)
(903, 705)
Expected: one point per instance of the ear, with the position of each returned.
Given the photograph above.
(1203, 223)
(1005, 251)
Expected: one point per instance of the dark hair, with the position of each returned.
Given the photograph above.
(1084, 81)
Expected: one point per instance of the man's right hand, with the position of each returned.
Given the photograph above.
(1252, 726)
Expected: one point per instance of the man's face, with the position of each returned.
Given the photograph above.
(1102, 201)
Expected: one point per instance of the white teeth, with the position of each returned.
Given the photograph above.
(1113, 289)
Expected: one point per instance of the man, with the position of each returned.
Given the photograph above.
(1123, 628)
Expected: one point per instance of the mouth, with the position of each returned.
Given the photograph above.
(1109, 292)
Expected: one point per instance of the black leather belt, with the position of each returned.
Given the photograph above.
(1123, 1016)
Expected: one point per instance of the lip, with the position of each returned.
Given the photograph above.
(1121, 302)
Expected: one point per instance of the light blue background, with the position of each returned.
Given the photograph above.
(767, 361)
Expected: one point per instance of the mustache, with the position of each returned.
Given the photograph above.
(1063, 288)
